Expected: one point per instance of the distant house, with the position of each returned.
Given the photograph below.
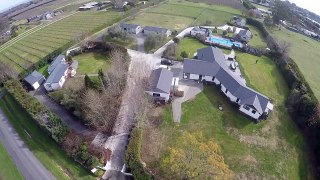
(130, 28)
(244, 36)
(58, 60)
(34, 80)
(200, 31)
(119, 4)
(161, 83)
(157, 30)
(238, 21)
(33, 19)
(57, 77)
(211, 66)
(48, 15)
(88, 6)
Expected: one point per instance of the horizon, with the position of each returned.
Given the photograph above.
(310, 5)
(5, 5)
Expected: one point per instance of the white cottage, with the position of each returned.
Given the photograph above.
(131, 28)
(160, 87)
(211, 66)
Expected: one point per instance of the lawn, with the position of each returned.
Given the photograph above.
(8, 169)
(305, 53)
(43, 147)
(44, 70)
(177, 15)
(257, 40)
(90, 63)
(190, 45)
(272, 149)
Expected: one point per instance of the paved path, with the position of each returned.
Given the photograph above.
(29, 166)
(71, 121)
(191, 89)
(140, 42)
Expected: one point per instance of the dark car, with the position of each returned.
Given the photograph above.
(166, 62)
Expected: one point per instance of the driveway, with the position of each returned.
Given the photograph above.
(29, 166)
(71, 121)
(140, 42)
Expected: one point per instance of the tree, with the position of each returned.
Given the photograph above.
(224, 32)
(171, 50)
(195, 157)
(152, 40)
(281, 11)
(176, 40)
(117, 32)
(184, 54)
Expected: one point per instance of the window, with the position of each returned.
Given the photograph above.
(156, 95)
(253, 111)
(246, 107)
(213, 78)
(238, 99)
(226, 91)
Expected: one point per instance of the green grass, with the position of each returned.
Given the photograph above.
(257, 39)
(44, 70)
(43, 147)
(305, 52)
(190, 45)
(90, 63)
(8, 169)
(272, 149)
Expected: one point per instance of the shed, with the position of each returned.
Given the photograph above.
(34, 80)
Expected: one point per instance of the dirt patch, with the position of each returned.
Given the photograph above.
(270, 143)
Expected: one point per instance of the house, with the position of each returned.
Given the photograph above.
(48, 15)
(196, 31)
(243, 36)
(88, 6)
(57, 77)
(34, 80)
(238, 21)
(157, 30)
(33, 19)
(119, 4)
(161, 83)
(58, 60)
(131, 28)
(211, 66)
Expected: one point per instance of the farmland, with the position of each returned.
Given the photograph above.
(272, 149)
(35, 44)
(305, 53)
(177, 15)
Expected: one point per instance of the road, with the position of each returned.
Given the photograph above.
(29, 166)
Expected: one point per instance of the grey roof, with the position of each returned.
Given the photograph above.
(161, 80)
(211, 62)
(245, 33)
(55, 62)
(34, 77)
(155, 29)
(128, 26)
(57, 73)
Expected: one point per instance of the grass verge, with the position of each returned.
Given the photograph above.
(8, 170)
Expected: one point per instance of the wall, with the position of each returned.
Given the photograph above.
(255, 116)
(163, 95)
(228, 94)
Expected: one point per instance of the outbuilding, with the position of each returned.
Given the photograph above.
(130, 28)
(34, 80)
(156, 30)
(161, 83)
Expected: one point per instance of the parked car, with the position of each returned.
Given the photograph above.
(166, 62)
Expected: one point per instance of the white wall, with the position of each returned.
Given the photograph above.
(36, 85)
(228, 94)
(207, 78)
(194, 76)
(249, 113)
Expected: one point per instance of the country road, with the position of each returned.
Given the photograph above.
(29, 166)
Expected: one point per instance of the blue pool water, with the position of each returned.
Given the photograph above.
(225, 42)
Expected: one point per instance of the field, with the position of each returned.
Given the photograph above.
(177, 15)
(305, 52)
(32, 45)
(43, 147)
(272, 149)
(7, 168)
(257, 40)
(90, 63)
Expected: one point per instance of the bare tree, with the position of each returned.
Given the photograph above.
(284, 47)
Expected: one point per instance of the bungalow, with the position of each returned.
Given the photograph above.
(34, 80)
(160, 87)
(211, 66)
(57, 77)
(238, 21)
(200, 31)
(58, 60)
(243, 35)
(157, 30)
(131, 28)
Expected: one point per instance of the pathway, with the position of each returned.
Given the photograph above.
(29, 166)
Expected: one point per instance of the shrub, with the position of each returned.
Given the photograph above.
(176, 40)
(178, 93)
(133, 157)
(184, 54)
(224, 32)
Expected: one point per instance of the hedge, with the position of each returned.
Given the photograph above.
(301, 103)
(47, 120)
(133, 156)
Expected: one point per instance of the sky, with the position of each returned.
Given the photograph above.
(311, 5)
(6, 4)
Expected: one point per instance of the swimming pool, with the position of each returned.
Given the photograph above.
(224, 42)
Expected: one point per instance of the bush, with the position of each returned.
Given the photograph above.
(46, 119)
(133, 157)
(176, 40)
(153, 40)
(184, 54)
(224, 32)
(178, 93)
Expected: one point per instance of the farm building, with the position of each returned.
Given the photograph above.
(211, 66)
(34, 80)
(131, 28)
(88, 6)
(243, 36)
(58, 60)
(157, 30)
(200, 31)
(57, 78)
(161, 83)
(238, 21)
